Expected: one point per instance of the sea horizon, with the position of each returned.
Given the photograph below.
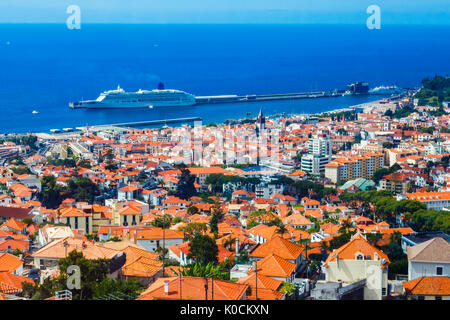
(46, 66)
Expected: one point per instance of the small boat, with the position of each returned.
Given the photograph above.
(35, 112)
(150, 107)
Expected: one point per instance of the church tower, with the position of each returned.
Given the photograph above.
(260, 121)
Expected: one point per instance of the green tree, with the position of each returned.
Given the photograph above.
(50, 195)
(192, 210)
(92, 273)
(203, 249)
(193, 228)
(374, 238)
(120, 289)
(185, 186)
(83, 189)
(162, 222)
(209, 270)
(217, 216)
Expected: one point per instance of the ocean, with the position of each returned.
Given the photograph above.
(44, 67)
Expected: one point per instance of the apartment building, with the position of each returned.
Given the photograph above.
(396, 182)
(392, 155)
(353, 167)
(433, 200)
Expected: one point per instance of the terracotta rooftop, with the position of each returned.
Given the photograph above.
(279, 246)
(193, 288)
(358, 244)
(56, 249)
(275, 266)
(435, 286)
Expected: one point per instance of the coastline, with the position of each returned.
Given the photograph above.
(267, 112)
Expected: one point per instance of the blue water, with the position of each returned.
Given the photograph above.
(44, 67)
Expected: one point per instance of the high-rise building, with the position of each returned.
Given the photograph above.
(319, 153)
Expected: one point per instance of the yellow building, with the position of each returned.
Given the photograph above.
(349, 168)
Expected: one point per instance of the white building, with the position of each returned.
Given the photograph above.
(430, 258)
(319, 153)
(433, 200)
(358, 260)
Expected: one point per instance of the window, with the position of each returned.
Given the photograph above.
(383, 291)
(359, 256)
(438, 298)
(420, 298)
(439, 271)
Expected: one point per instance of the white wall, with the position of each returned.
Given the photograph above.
(152, 244)
(417, 269)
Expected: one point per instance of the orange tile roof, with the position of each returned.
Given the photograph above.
(128, 189)
(56, 249)
(130, 210)
(140, 263)
(9, 262)
(72, 212)
(262, 281)
(279, 246)
(316, 213)
(429, 196)
(358, 244)
(428, 286)
(157, 233)
(11, 284)
(297, 219)
(14, 224)
(264, 294)
(311, 202)
(275, 266)
(14, 244)
(193, 288)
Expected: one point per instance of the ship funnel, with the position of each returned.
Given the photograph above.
(161, 86)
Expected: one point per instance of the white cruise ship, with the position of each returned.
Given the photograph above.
(141, 99)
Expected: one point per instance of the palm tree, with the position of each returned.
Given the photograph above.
(228, 242)
(324, 246)
(281, 228)
(345, 226)
(395, 237)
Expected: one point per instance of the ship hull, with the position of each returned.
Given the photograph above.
(134, 105)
